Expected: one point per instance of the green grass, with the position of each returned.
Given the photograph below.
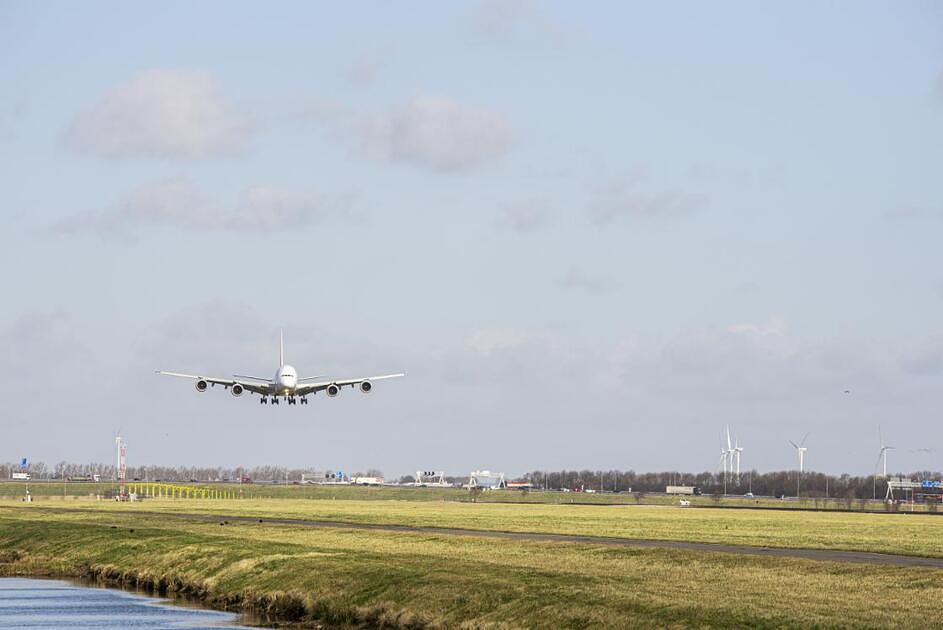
(908, 534)
(415, 580)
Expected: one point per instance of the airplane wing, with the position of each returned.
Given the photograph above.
(252, 378)
(312, 388)
(258, 388)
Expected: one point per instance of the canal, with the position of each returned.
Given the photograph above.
(31, 603)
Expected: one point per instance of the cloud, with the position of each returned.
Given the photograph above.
(436, 133)
(161, 113)
(526, 216)
(911, 213)
(11, 117)
(509, 22)
(580, 279)
(490, 340)
(42, 347)
(668, 204)
(178, 203)
(927, 359)
(367, 67)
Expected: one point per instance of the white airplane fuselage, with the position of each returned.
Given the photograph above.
(286, 380)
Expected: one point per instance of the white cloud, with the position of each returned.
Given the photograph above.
(436, 133)
(913, 213)
(490, 340)
(608, 208)
(178, 203)
(161, 113)
(367, 67)
(11, 117)
(509, 22)
(577, 278)
(528, 215)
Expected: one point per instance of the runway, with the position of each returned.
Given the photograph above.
(822, 555)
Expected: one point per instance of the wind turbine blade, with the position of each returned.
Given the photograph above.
(880, 437)
(804, 438)
(728, 436)
(794, 444)
(877, 462)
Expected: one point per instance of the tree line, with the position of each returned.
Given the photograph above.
(775, 483)
(66, 470)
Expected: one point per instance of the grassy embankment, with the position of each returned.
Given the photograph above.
(345, 577)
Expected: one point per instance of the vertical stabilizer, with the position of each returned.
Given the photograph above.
(281, 348)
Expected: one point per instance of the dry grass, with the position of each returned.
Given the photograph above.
(407, 580)
(909, 534)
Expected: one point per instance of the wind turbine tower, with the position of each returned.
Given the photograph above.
(882, 455)
(738, 451)
(725, 462)
(801, 448)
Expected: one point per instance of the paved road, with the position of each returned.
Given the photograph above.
(807, 554)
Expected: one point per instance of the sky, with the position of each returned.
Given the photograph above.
(593, 235)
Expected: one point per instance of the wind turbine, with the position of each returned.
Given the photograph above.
(725, 461)
(882, 454)
(738, 451)
(800, 450)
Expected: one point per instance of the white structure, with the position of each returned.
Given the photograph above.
(882, 455)
(121, 457)
(367, 481)
(486, 480)
(730, 457)
(431, 478)
(800, 450)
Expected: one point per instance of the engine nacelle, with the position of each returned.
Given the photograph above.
(237, 390)
(366, 387)
(201, 385)
(333, 390)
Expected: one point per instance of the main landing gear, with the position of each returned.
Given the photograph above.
(291, 400)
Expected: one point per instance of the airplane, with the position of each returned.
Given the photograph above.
(286, 383)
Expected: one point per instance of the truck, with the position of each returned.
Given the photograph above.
(20, 476)
(689, 490)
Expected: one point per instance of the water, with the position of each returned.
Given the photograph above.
(28, 603)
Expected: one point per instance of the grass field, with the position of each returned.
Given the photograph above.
(346, 577)
(368, 578)
(907, 534)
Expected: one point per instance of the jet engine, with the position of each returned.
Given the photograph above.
(201, 385)
(237, 390)
(366, 387)
(333, 390)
